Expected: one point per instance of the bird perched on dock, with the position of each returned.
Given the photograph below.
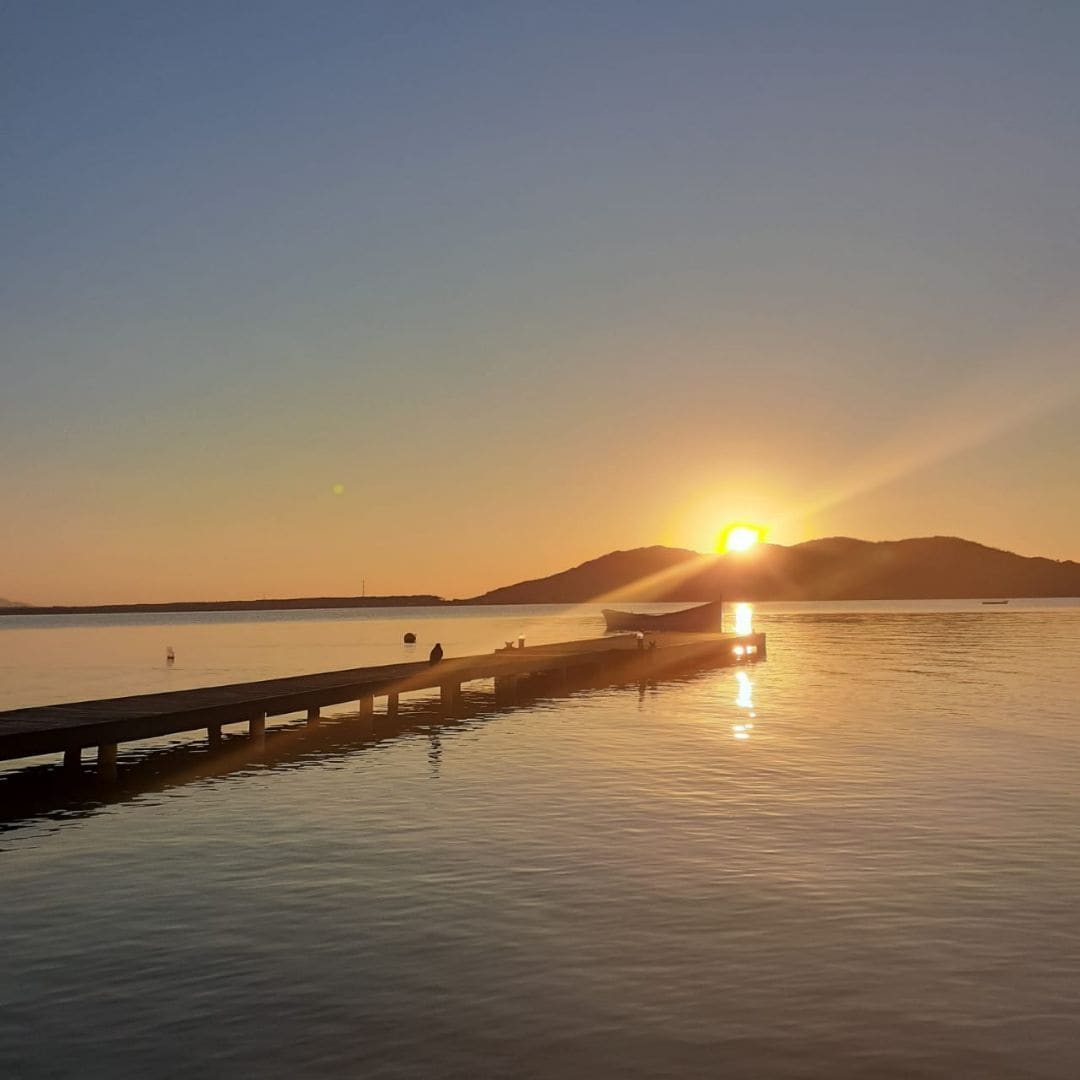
(436, 653)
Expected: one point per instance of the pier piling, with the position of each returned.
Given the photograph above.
(450, 696)
(106, 763)
(257, 729)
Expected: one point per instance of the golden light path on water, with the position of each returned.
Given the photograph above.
(744, 699)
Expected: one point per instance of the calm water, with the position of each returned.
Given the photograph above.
(859, 859)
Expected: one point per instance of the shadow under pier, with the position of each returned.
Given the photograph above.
(51, 790)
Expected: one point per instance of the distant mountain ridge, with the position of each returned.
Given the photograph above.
(835, 568)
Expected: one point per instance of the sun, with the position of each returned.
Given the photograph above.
(740, 537)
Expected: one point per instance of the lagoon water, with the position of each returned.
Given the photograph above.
(858, 859)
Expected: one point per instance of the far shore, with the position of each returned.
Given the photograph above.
(303, 603)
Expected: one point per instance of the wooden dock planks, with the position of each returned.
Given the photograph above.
(65, 728)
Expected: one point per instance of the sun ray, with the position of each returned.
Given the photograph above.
(982, 410)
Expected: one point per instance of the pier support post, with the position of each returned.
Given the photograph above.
(450, 696)
(391, 706)
(366, 710)
(506, 688)
(73, 759)
(213, 735)
(313, 714)
(257, 729)
(106, 763)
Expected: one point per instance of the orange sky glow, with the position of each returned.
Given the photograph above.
(289, 313)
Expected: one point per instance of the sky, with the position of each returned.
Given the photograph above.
(300, 298)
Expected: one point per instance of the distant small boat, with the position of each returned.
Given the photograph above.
(702, 618)
(993, 601)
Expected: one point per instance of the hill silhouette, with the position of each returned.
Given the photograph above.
(836, 568)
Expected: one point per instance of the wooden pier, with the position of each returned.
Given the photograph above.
(69, 729)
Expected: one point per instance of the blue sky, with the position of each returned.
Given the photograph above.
(530, 281)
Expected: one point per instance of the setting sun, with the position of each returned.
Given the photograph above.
(740, 537)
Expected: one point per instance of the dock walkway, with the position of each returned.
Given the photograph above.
(105, 723)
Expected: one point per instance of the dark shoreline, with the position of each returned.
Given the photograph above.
(303, 603)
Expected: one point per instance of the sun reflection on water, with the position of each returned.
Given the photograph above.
(744, 699)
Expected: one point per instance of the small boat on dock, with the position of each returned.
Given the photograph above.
(703, 618)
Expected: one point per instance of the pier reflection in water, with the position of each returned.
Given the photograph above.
(46, 790)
